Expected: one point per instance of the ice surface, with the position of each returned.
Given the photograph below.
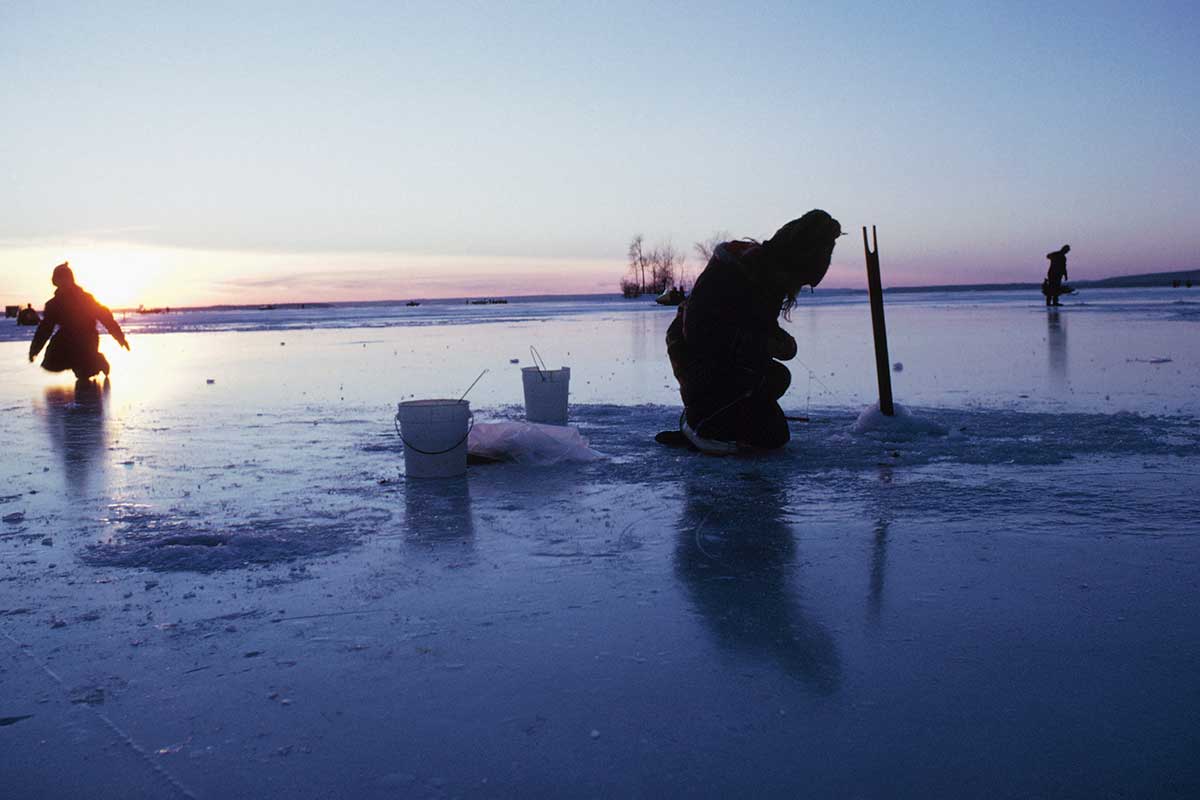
(231, 589)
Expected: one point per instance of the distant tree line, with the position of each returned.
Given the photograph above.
(662, 267)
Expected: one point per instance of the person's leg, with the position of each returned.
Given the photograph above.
(776, 381)
(761, 422)
(755, 420)
(87, 364)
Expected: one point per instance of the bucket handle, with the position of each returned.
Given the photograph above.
(414, 448)
(537, 357)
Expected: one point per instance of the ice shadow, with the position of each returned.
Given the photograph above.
(735, 557)
(76, 422)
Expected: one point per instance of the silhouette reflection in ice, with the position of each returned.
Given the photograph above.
(735, 555)
(75, 418)
(1056, 347)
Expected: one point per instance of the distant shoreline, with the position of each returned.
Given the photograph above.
(1146, 280)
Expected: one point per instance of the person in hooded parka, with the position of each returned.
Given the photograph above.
(725, 343)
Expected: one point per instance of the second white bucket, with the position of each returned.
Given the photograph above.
(546, 394)
(435, 437)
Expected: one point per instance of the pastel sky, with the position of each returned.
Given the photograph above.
(194, 153)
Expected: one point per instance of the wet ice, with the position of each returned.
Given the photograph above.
(1011, 596)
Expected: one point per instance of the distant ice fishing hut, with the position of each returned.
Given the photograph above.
(10, 312)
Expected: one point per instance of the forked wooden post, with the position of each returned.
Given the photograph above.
(875, 289)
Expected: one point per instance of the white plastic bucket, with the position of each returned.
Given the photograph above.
(435, 437)
(546, 394)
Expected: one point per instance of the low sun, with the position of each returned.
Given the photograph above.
(117, 278)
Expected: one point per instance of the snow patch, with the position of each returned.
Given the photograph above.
(146, 539)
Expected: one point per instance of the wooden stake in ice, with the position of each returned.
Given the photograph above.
(875, 289)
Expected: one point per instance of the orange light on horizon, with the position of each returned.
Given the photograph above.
(119, 278)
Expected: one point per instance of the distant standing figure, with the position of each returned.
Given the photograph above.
(28, 316)
(76, 345)
(1056, 274)
(726, 344)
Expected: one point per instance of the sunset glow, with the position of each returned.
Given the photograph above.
(447, 151)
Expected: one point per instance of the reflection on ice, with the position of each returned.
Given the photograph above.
(879, 547)
(1056, 348)
(74, 417)
(735, 556)
(438, 514)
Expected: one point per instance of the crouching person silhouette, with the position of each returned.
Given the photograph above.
(76, 344)
(726, 344)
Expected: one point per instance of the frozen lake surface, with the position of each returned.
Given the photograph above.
(229, 589)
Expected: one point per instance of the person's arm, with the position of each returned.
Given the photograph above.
(41, 336)
(781, 344)
(110, 324)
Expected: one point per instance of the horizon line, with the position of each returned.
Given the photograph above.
(1100, 283)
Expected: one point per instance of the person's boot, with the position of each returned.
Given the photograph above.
(714, 447)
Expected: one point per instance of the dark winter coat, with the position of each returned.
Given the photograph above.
(726, 334)
(76, 345)
(1058, 267)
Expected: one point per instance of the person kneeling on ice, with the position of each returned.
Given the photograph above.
(725, 343)
(76, 345)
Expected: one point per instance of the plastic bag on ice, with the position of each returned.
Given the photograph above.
(529, 443)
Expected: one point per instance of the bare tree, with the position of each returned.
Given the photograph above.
(665, 265)
(705, 248)
(638, 261)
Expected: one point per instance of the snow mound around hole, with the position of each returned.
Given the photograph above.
(903, 425)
